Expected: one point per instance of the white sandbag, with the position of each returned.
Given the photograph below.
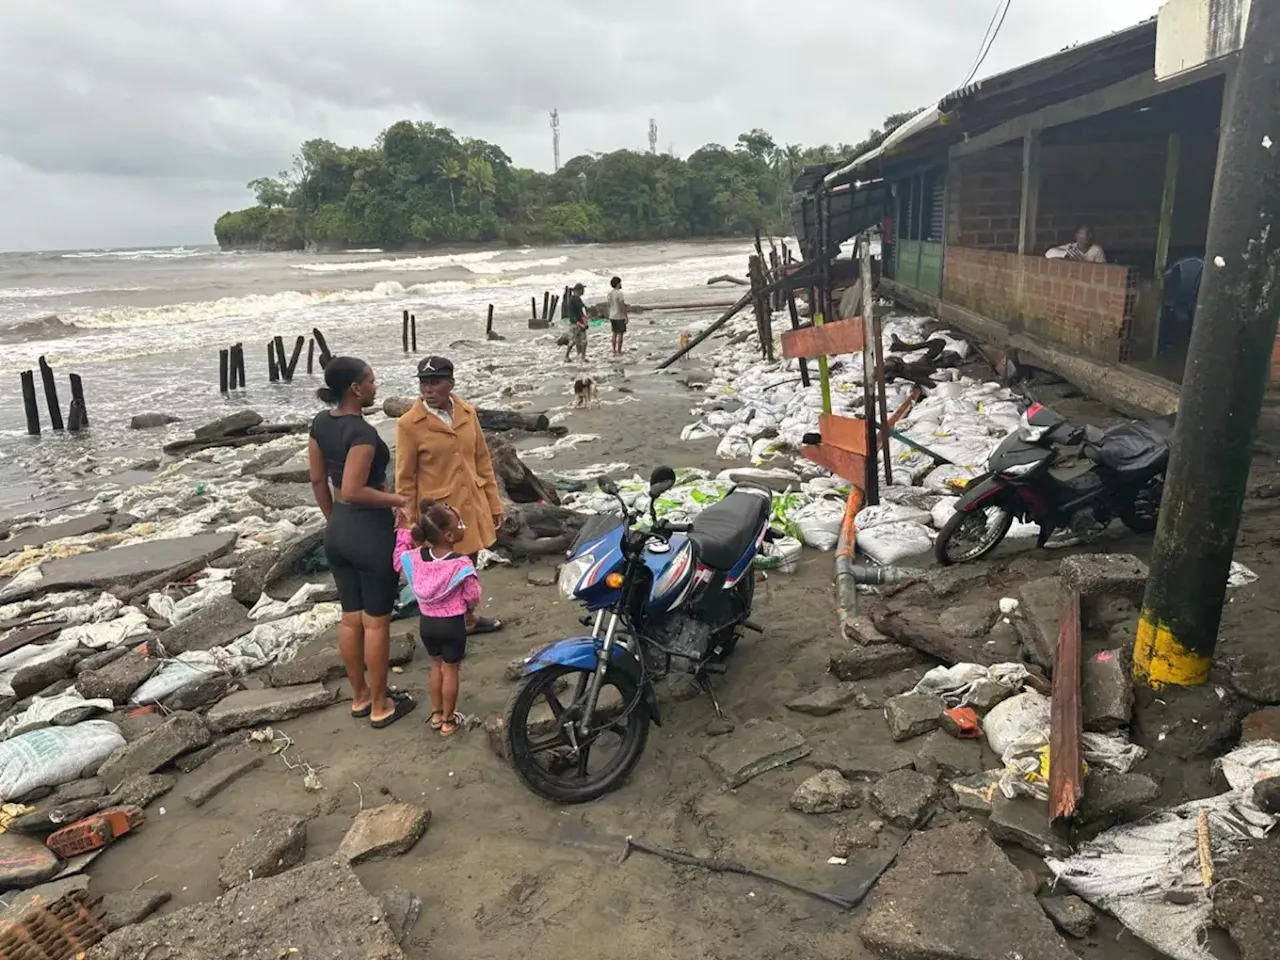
(949, 391)
(880, 513)
(940, 478)
(733, 448)
(697, 431)
(54, 756)
(1013, 718)
(782, 555)
(44, 710)
(954, 684)
(818, 523)
(131, 623)
(943, 511)
(29, 656)
(174, 675)
(765, 449)
(269, 609)
(177, 611)
(888, 544)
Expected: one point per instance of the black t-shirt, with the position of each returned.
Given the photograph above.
(577, 311)
(336, 434)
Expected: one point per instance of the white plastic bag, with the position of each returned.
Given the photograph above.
(943, 511)
(132, 622)
(874, 516)
(54, 756)
(1011, 719)
(11, 663)
(44, 710)
(891, 543)
(269, 609)
(955, 684)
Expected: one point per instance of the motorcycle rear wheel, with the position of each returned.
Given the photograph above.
(1142, 514)
(568, 779)
(993, 521)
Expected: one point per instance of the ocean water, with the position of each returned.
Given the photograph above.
(143, 327)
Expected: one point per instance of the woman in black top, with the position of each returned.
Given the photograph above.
(348, 476)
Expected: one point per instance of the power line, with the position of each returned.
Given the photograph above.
(988, 39)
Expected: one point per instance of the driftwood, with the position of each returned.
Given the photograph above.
(1066, 772)
(513, 420)
(930, 639)
(516, 482)
(539, 529)
(728, 278)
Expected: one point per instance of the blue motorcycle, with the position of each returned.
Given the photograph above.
(670, 599)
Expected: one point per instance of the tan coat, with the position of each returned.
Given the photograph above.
(449, 465)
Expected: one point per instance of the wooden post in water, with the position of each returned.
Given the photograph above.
(533, 306)
(325, 355)
(488, 324)
(224, 369)
(78, 413)
(51, 394)
(273, 371)
(546, 304)
(564, 304)
(555, 303)
(293, 359)
(404, 331)
(280, 359)
(29, 403)
(311, 354)
(237, 366)
(795, 325)
(413, 332)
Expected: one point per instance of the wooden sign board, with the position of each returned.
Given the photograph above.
(828, 340)
(843, 449)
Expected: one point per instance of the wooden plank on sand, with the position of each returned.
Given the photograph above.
(828, 340)
(850, 466)
(847, 433)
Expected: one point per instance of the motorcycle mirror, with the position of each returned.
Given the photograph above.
(607, 486)
(660, 481)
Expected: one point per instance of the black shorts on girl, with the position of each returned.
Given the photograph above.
(444, 637)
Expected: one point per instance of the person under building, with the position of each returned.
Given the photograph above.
(1082, 248)
(1178, 310)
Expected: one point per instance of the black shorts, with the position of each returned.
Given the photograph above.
(444, 637)
(619, 325)
(359, 543)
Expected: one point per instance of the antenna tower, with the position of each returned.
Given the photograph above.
(555, 137)
(653, 136)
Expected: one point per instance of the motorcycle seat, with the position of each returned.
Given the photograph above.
(722, 533)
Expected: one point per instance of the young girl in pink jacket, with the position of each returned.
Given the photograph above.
(448, 590)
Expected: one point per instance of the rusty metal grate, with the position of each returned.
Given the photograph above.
(62, 930)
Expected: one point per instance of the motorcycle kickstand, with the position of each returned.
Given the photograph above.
(705, 682)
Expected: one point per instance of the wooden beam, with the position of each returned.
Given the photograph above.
(1066, 766)
(1030, 193)
(1172, 161)
(824, 340)
(1144, 86)
(850, 466)
(846, 433)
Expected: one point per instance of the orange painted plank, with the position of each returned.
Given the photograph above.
(840, 336)
(842, 463)
(847, 433)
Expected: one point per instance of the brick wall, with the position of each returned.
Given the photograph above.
(1082, 306)
(1114, 187)
(987, 188)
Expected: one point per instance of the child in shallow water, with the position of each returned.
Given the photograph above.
(448, 591)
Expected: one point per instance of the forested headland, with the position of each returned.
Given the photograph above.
(421, 185)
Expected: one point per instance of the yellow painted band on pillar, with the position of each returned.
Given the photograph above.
(1160, 660)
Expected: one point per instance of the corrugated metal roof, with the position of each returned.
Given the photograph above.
(987, 102)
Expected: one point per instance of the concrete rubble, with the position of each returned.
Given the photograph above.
(277, 843)
(911, 715)
(179, 734)
(385, 831)
(903, 797)
(220, 772)
(825, 792)
(752, 749)
(251, 708)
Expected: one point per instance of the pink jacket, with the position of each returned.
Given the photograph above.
(444, 588)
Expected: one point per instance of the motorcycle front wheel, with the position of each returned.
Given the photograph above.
(547, 758)
(971, 535)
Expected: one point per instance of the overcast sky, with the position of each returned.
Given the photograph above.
(138, 122)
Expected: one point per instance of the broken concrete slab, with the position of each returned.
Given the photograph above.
(118, 679)
(912, 714)
(941, 752)
(969, 620)
(1025, 821)
(1069, 914)
(385, 831)
(825, 792)
(39, 536)
(1108, 795)
(826, 700)
(149, 421)
(137, 726)
(87, 789)
(903, 796)
(214, 625)
(401, 910)
(127, 907)
(863, 663)
(251, 708)
(869, 762)
(320, 668)
(193, 761)
(952, 894)
(233, 424)
(1106, 692)
(1040, 608)
(1266, 794)
(38, 677)
(210, 688)
(138, 791)
(297, 469)
(1262, 724)
(987, 695)
(1245, 899)
(250, 577)
(220, 772)
(1101, 577)
(179, 734)
(126, 565)
(25, 862)
(100, 660)
(318, 910)
(50, 816)
(752, 749)
(976, 793)
(284, 496)
(1255, 673)
(277, 844)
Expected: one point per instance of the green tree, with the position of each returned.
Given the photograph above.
(450, 171)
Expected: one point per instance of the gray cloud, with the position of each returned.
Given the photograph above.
(139, 121)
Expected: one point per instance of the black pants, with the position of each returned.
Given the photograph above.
(359, 543)
(444, 637)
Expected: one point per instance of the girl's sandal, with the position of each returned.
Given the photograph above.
(436, 719)
(449, 727)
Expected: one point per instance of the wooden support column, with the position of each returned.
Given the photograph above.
(1172, 162)
(1030, 193)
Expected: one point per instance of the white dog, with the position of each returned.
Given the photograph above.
(584, 392)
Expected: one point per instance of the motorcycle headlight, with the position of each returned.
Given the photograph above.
(572, 572)
(1020, 469)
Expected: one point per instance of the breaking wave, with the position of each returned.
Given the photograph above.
(51, 327)
(170, 253)
(398, 264)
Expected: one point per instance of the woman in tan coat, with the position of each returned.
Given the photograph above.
(441, 455)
